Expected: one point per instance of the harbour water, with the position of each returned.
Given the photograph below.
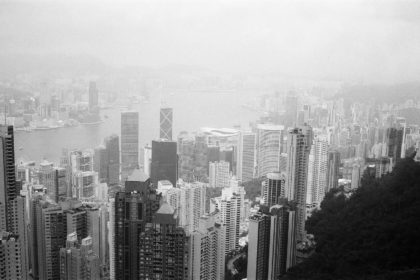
(191, 110)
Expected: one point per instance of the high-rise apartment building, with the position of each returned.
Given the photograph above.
(54, 179)
(51, 236)
(129, 143)
(317, 172)
(163, 247)
(192, 204)
(258, 246)
(166, 123)
(77, 259)
(230, 205)
(245, 161)
(164, 162)
(269, 140)
(207, 250)
(299, 143)
(271, 246)
(273, 188)
(333, 169)
(11, 266)
(134, 208)
(219, 174)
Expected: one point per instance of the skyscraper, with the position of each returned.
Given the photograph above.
(192, 204)
(107, 161)
(219, 174)
(10, 255)
(77, 259)
(258, 246)
(333, 169)
(207, 250)
(163, 246)
(93, 96)
(112, 145)
(269, 140)
(245, 162)
(317, 172)
(51, 236)
(273, 188)
(8, 187)
(134, 208)
(129, 143)
(166, 123)
(164, 161)
(271, 246)
(299, 143)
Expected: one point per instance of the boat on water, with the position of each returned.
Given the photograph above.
(92, 123)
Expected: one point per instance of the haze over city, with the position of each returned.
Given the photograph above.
(351, 41)
(210, 140)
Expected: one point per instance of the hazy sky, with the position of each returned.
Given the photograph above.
(349, 40)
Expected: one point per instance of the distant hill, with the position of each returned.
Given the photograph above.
(374, 234)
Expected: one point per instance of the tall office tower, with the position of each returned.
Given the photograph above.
(112, 145)
(100, 163)
(134, 208)
(164, 162)
(54, 179)
(129, 143)
(93, 96)
(46, 178)
(77, 259)
(219, 174)
(165, 124)
(51, 236)
(186, 152)
(85, 184)
(229, 206)
(61, 183)
(333, 169)
(269, 139)
(317, 172)
(273, 188)
(299, 143)
(173, 198)
(394, 140)
(192, 204)
(163, 246)
(245, 161)
(258, 246)
(355, 176)
(8, 187)
(282, 243)
(11, 266)
(207, 250)
(147, 159)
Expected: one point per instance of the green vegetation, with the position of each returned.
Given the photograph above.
(374, 234)
(253, 188)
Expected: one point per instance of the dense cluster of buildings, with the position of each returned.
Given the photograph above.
(122, 212)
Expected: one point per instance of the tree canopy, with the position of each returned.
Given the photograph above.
(374, 234)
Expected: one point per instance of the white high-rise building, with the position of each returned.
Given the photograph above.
(245, 157)
(192, 204)
(317, 172)
(207, 250)
(219, 174)
(299, 143)
(230, 206)
(269, 142)
(147, 159)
